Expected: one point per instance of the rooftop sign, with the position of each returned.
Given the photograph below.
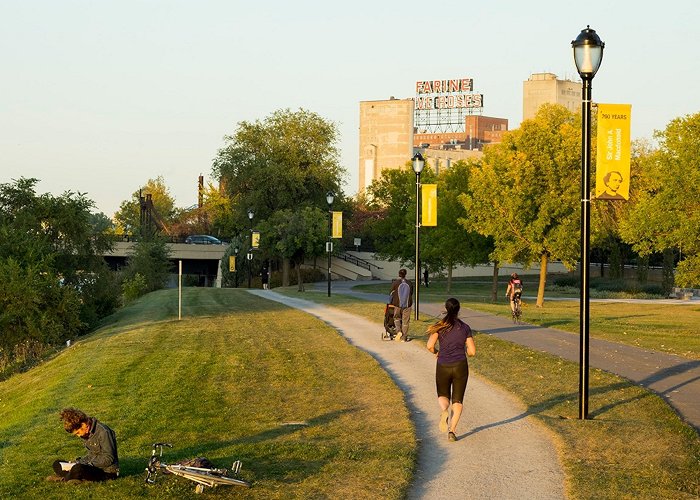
(441, 105)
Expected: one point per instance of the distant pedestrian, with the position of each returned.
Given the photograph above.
(455, 341)
(265, 278)
(425, 277)
(402, 301)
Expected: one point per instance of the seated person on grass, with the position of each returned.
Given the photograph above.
(100, 462)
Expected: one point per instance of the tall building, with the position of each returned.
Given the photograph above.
(386, 137)
(543, 88)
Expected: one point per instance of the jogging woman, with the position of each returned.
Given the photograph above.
(452, 371)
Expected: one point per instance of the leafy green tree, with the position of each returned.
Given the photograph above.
(522, 194)
(50, 265)
(296, 235)
(667, 214)
(449, 244)
(287, 161)
(128, 217)
(394, 235)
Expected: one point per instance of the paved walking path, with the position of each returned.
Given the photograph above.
(502, 451)
(674, 378)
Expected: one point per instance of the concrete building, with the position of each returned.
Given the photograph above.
(388, 138)
(543, 88)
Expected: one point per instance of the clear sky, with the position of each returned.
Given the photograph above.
(98, 96)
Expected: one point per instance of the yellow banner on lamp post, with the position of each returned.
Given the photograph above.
(232, 263)
(612, 179)
(255, 239)
(429, 205)
(337, 225)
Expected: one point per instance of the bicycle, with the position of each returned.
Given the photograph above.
(203, 476)
(517, 311)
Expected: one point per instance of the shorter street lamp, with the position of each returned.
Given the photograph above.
(235, 252)
(251, 214)
(588, 54)
(418, 164)
(329, 245)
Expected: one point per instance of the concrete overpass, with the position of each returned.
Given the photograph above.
(200, 261)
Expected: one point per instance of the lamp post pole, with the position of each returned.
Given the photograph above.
(329, 245)
(588, 54)
(238, 264)
(418, 164)
(251, 214)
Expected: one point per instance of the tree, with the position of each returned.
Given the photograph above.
(667, 214)
(55, 283)
(523, 196)
(296, 235)
(287, 161)
(449, 243)
(394, 235)
(128, 216)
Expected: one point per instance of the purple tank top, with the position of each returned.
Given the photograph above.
(452, 343)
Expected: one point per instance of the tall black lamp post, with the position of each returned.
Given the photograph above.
(251, 214)
(588, 54)
(418, 164)
(329, 245)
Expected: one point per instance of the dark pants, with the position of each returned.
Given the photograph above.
(82, 471)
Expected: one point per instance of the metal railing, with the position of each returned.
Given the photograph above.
(357, 261)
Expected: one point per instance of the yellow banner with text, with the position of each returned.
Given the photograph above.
(612, 180)
(337, 225)
(429, 205)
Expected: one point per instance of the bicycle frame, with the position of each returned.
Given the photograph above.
(203, 476)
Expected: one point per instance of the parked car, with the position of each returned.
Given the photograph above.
(202, 239)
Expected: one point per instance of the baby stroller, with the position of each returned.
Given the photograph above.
(389, 329)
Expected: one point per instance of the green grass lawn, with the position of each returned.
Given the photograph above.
(238, 378)
(671, 328)
(634, 446)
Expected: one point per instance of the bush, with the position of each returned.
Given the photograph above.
(308, 275)
(568, 280)
(133, 288)
(604, 285)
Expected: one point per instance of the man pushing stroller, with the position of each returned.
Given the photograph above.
(402, 302)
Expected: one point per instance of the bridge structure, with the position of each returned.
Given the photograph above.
(201, 261)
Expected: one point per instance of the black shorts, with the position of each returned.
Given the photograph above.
(451, 380)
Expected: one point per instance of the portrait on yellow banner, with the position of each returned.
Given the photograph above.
(613, 152)
(337, 225)
(429, 205)
(232, 263)
(255, 241)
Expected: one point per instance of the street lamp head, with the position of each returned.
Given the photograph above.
(251, 214)
(418, 163)
(235, 250)
(330, 196)
(588, 53)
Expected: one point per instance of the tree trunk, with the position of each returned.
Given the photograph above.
(667, 273)
(494, 282)
(300, 281)
(543, 279)
(285, 272)
(449, 278)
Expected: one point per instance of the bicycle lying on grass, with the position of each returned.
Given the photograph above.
(203, 476)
